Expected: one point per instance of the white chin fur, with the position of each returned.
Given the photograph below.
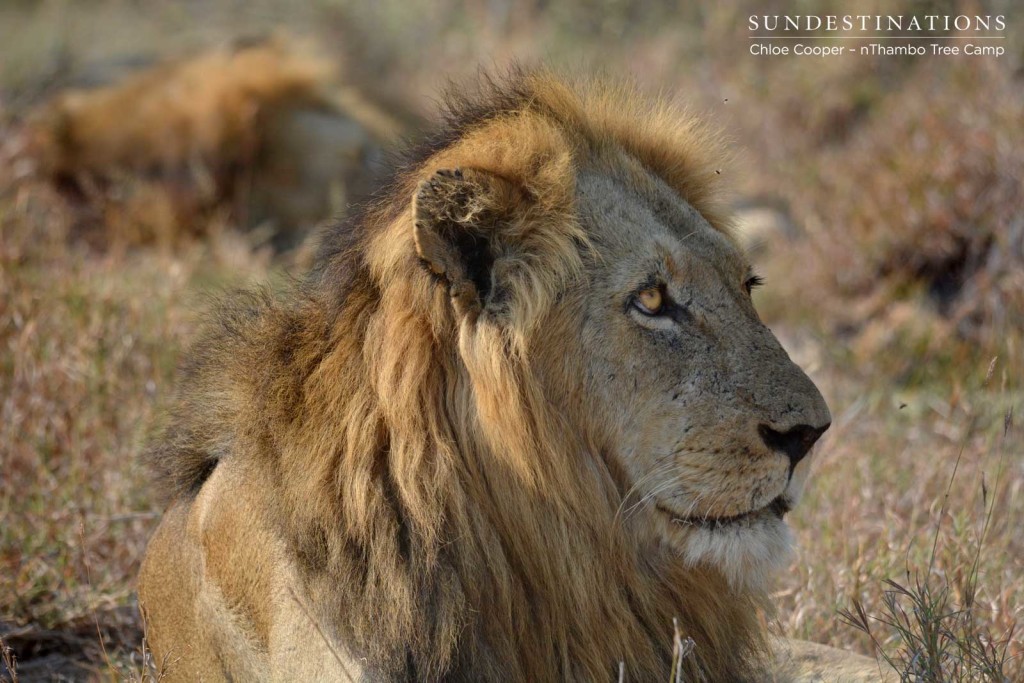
(750, 553)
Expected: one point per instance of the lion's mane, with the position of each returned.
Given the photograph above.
(447, 520)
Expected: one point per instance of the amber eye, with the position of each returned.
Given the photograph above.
(650, 300)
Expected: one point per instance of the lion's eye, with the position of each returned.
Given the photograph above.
(752, 282)
(650, 301)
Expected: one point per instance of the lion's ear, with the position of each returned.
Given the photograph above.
(458, 215)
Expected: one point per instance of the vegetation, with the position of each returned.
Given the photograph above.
(894, 275)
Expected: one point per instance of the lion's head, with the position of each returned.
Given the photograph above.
(651, 350)
(642, 335)
(523, 414)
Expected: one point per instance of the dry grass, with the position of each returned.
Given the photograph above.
(904, 284)
(89, 344)
(930, 254)
(922, 487)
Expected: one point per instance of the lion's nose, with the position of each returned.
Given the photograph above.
(795, 442)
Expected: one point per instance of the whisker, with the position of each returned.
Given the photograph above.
(657, 471)
(670, 470)
(660, 488)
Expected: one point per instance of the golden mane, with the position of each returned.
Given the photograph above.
(447, 520)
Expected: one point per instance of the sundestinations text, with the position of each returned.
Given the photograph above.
(876, 22)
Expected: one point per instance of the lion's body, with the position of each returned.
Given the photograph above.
(461, 451)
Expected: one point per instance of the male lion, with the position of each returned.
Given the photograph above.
(521, 416)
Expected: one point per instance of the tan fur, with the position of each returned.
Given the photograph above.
(459, 452)
(198, 110)
(260, 133)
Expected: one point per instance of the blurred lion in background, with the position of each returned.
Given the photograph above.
(519, 420)
(261, 134)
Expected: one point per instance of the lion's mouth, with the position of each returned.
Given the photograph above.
(777, 508)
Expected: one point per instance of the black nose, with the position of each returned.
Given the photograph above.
(795, 442)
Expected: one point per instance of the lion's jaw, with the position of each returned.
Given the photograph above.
(749, 549)
(748, 552)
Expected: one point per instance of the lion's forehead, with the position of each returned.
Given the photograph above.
(639, 221)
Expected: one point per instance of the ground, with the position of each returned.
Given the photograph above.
(889, 235)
